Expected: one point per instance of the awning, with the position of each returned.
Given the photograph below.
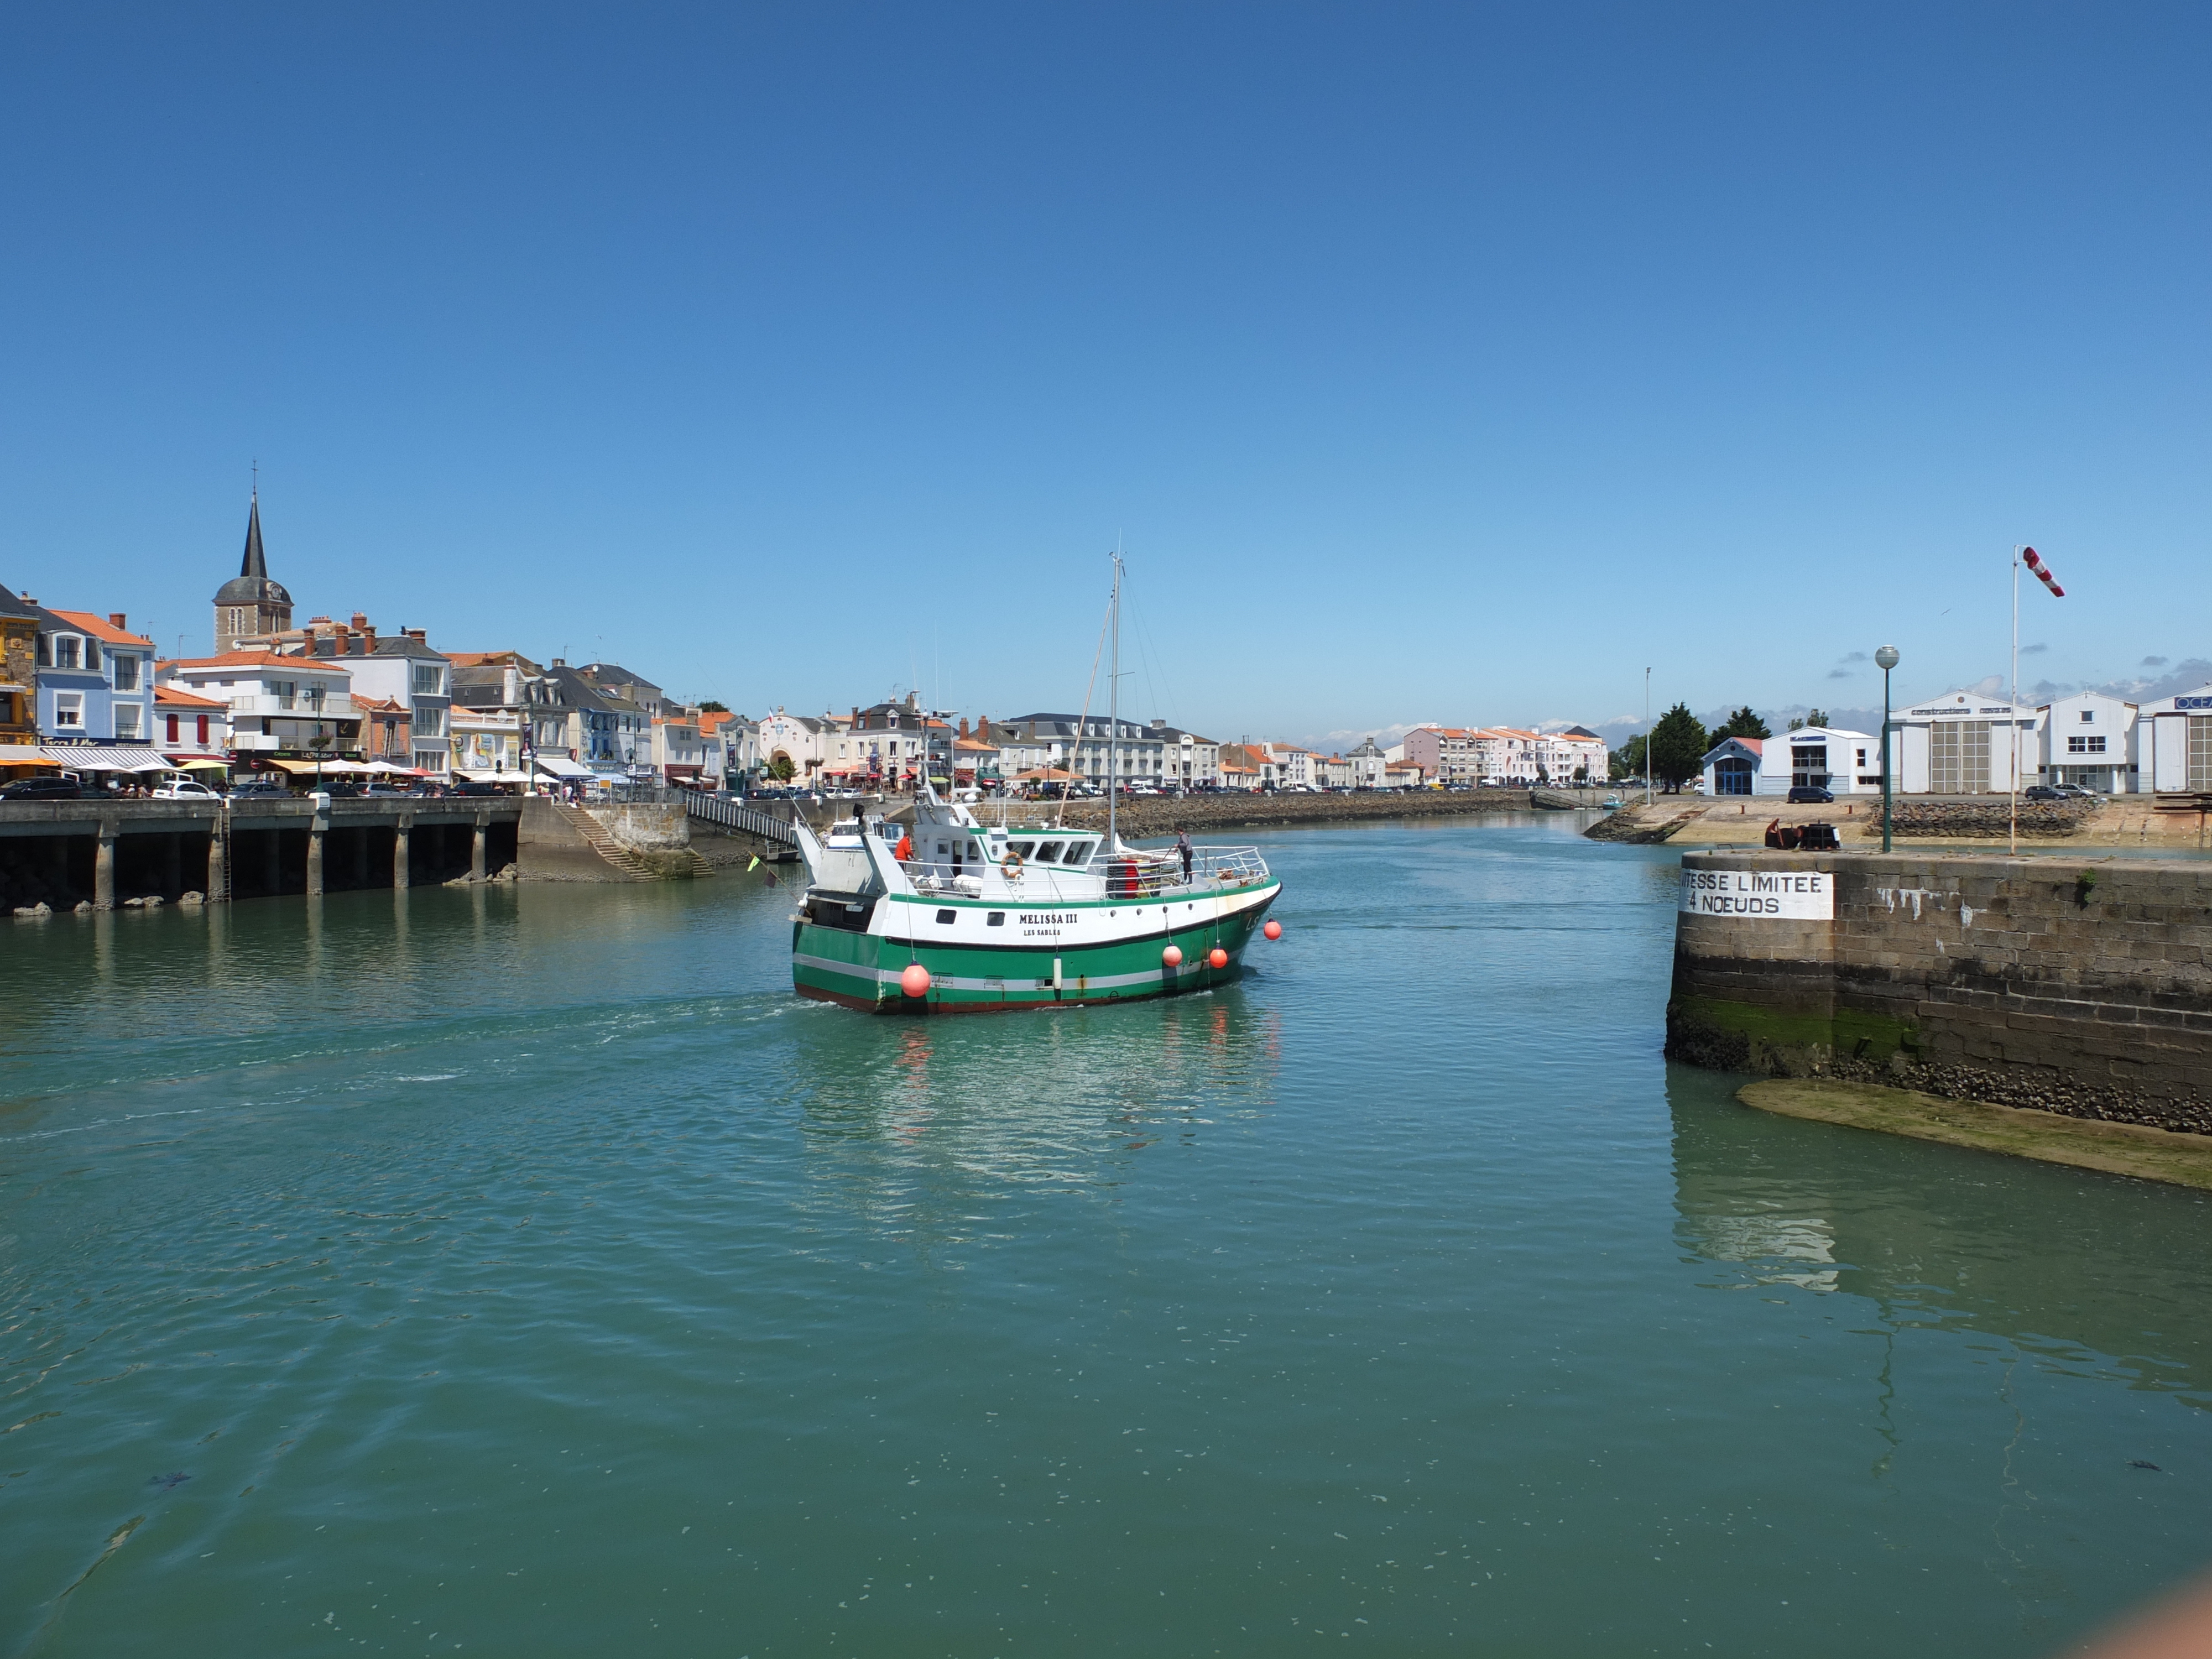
(202, 764)
(562, 767)
(492, 777)
(91, 757)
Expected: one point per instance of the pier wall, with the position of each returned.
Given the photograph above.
(99, 854)
(2073, 986)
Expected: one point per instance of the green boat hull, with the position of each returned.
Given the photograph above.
(863, 970)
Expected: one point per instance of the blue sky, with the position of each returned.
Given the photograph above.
(1430, 363)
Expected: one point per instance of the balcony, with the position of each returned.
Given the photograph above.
(261, 705)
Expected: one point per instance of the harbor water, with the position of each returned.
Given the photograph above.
(527, 1271)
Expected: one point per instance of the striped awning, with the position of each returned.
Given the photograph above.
(92, 758)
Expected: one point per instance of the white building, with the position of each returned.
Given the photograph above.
(2089, 739)
(2173, 743)
(1294, 767)
(1962, 743)
(1842, 762)
(279, 707)
(805, 740)
(1367, 764)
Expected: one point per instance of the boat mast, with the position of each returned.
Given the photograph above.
(1114, 716)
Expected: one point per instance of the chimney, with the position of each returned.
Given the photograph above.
(420, 635)
(963, 726)
(360, 622)
(369, 634)
(912, 699)
(560, 662)
(115, 621)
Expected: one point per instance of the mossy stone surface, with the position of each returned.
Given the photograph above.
(2124, 1149)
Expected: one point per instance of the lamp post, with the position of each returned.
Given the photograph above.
(1886, 659)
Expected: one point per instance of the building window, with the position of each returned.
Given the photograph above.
(2088, 715)
(126, 671)
(426, 678)
(65, 650)
(69, 711)
(2085, 745)
(172, 738)
(126, 721)
(429, 722)
(202, 724)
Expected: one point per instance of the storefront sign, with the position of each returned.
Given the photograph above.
(1775, 895)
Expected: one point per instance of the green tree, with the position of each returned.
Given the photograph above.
(1628, 760)
(780, 769)
(1678, 747)
(711, 707)
(1744, 723)
(1812, 717)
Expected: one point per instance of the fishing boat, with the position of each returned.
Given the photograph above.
(952, 914)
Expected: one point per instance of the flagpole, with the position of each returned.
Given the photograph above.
(2012, 718)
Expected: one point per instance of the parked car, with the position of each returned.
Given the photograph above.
(63, 789)
(2075, 792)
(1810, 792)
(183, 789)
(2042, 792)
(255, 788)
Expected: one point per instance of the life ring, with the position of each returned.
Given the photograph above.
(1010, 866)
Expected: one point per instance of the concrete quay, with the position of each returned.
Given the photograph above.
(2073, 986)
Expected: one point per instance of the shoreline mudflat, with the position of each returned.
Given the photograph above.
(2127, 1149)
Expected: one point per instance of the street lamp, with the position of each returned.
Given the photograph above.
(1886, 658)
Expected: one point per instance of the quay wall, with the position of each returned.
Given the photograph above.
(2065, 986)
(1150, 815)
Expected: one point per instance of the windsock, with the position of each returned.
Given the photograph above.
(2042, 573)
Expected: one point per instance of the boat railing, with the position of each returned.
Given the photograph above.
(1155, 873)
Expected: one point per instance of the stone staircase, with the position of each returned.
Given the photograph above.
(676, 862)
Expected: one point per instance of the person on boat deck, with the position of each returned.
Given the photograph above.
(1182, 846)
(905, 849)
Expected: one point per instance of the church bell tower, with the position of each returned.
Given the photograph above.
(250, 605)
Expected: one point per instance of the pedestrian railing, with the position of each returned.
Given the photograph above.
(736, 815)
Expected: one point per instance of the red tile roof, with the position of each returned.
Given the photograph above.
(259, 660)
(167, 696)
(100, 629)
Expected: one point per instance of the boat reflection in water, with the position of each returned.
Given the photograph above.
(918, 1121)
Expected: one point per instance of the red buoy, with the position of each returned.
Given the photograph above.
(1217, 957)
(1274, 929)
(916, 981)
(1172, 956)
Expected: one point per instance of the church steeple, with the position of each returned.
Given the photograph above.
(250, 605)
(254, 564)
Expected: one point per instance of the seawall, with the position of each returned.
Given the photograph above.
(2074, 987)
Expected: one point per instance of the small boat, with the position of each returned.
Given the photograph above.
(979, 917)
(1612, 803)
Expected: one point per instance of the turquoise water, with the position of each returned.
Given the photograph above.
(529, 1272)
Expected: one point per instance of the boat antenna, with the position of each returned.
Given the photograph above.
(1114, 714)
(1083, 721)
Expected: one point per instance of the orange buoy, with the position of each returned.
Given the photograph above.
(1217, 957)
(1274, 929)
(916, 981)
(1172, 956)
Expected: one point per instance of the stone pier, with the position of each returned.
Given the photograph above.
(2072, 986)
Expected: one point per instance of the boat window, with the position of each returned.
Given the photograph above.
(1048, 852)
(944, 918)
(1022, 849)
(996, 918)
(1079, 853)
